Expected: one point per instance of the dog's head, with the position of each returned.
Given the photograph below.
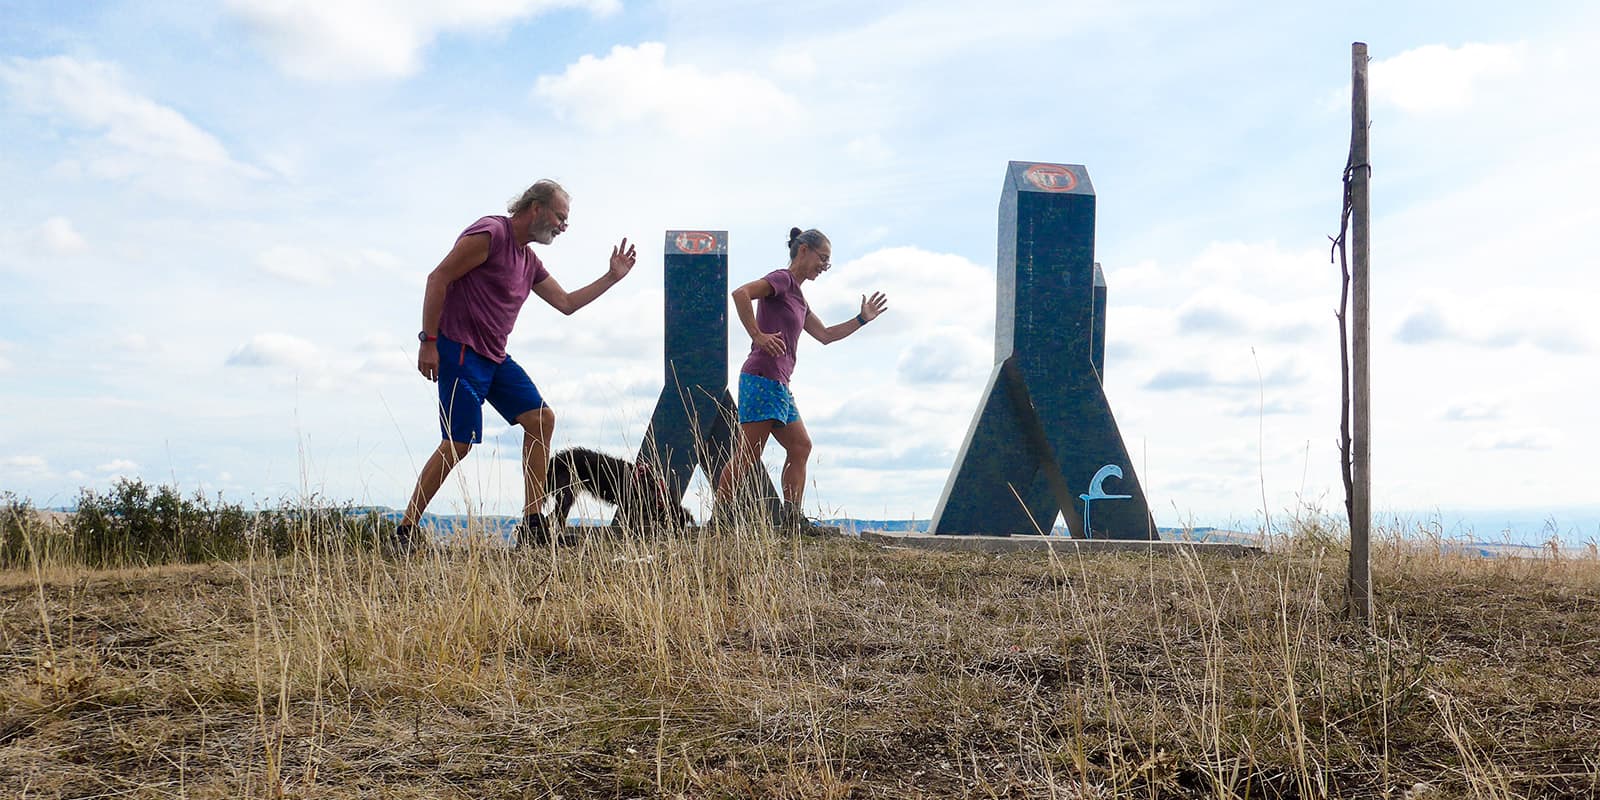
(644, 477)
(647, 483)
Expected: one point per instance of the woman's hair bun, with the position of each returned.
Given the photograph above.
(794, 233)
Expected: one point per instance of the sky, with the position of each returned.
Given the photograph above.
(216, 221)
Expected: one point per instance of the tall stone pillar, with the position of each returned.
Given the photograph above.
(1044, 440)
(695, 418)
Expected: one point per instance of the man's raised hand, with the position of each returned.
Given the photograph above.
(622, 258)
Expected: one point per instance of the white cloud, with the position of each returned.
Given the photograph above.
(275, 350)
(870, 149)
(943, 355)
(611, 389)
(1139, 277)
(379, 259)
(357, 39)
(794, 64)
(24, 465)
(1437, 77)
(133, 129)
(1228, 296)
(5, 363)
(1268, 407)
(1528, 439)
(1232, 375)
(312, 266)
(903, 39)
(68, 169)
(57, 237)
(926, 290)
(1473, 411)
(634, 86)
(898, 456)
(119, 466)
(391, 363)
(295, 265)
(1259, 264)
(593, 336)
(1230, 312)
(133, 343)
(382, 342)
(1557, 325)
(113, 403)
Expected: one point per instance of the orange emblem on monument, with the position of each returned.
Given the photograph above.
(695, 242)
(1051, 178)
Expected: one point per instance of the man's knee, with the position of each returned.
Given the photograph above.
(455, 451)
(538, 422)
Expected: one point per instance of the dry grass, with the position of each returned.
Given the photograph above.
(752, 665)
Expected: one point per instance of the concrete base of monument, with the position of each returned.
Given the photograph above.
(1058, 544)
(614, 532)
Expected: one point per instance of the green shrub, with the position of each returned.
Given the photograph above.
(315, 524)
(16, 521)
(134, 523)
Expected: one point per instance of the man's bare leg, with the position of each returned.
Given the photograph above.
(538, 426)
(438, 467)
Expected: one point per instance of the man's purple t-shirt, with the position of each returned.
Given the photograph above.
(481, 306)
(783, 313)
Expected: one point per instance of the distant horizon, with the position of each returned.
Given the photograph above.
(1571, 524)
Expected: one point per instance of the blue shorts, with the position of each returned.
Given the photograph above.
(765, 400)
(466, 379)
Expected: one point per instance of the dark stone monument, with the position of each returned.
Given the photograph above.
(695, 418)
(1044, 440)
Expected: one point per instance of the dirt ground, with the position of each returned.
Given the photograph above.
(895, 674)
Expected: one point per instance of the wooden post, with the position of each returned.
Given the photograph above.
(1360, 585)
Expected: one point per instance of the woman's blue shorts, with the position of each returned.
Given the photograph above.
(764, 399)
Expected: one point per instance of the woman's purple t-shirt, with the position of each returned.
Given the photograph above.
(481, 306)
(784, 313)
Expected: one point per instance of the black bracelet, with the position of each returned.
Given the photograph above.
(861, 320)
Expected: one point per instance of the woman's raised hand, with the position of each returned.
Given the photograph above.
(871, 307)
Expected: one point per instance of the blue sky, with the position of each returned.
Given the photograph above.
(215, 224)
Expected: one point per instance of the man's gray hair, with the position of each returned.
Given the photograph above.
(812, 238)
(541, 192)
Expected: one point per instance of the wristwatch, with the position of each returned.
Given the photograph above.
(422, 336)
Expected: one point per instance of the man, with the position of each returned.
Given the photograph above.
(468, 309)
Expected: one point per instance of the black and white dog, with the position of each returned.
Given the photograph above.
(642, 497)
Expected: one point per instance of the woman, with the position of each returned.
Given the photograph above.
(773, 310)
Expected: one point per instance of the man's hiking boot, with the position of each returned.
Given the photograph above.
(402, 542)
(534, 531)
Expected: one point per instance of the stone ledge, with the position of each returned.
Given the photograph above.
(1060, 544)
